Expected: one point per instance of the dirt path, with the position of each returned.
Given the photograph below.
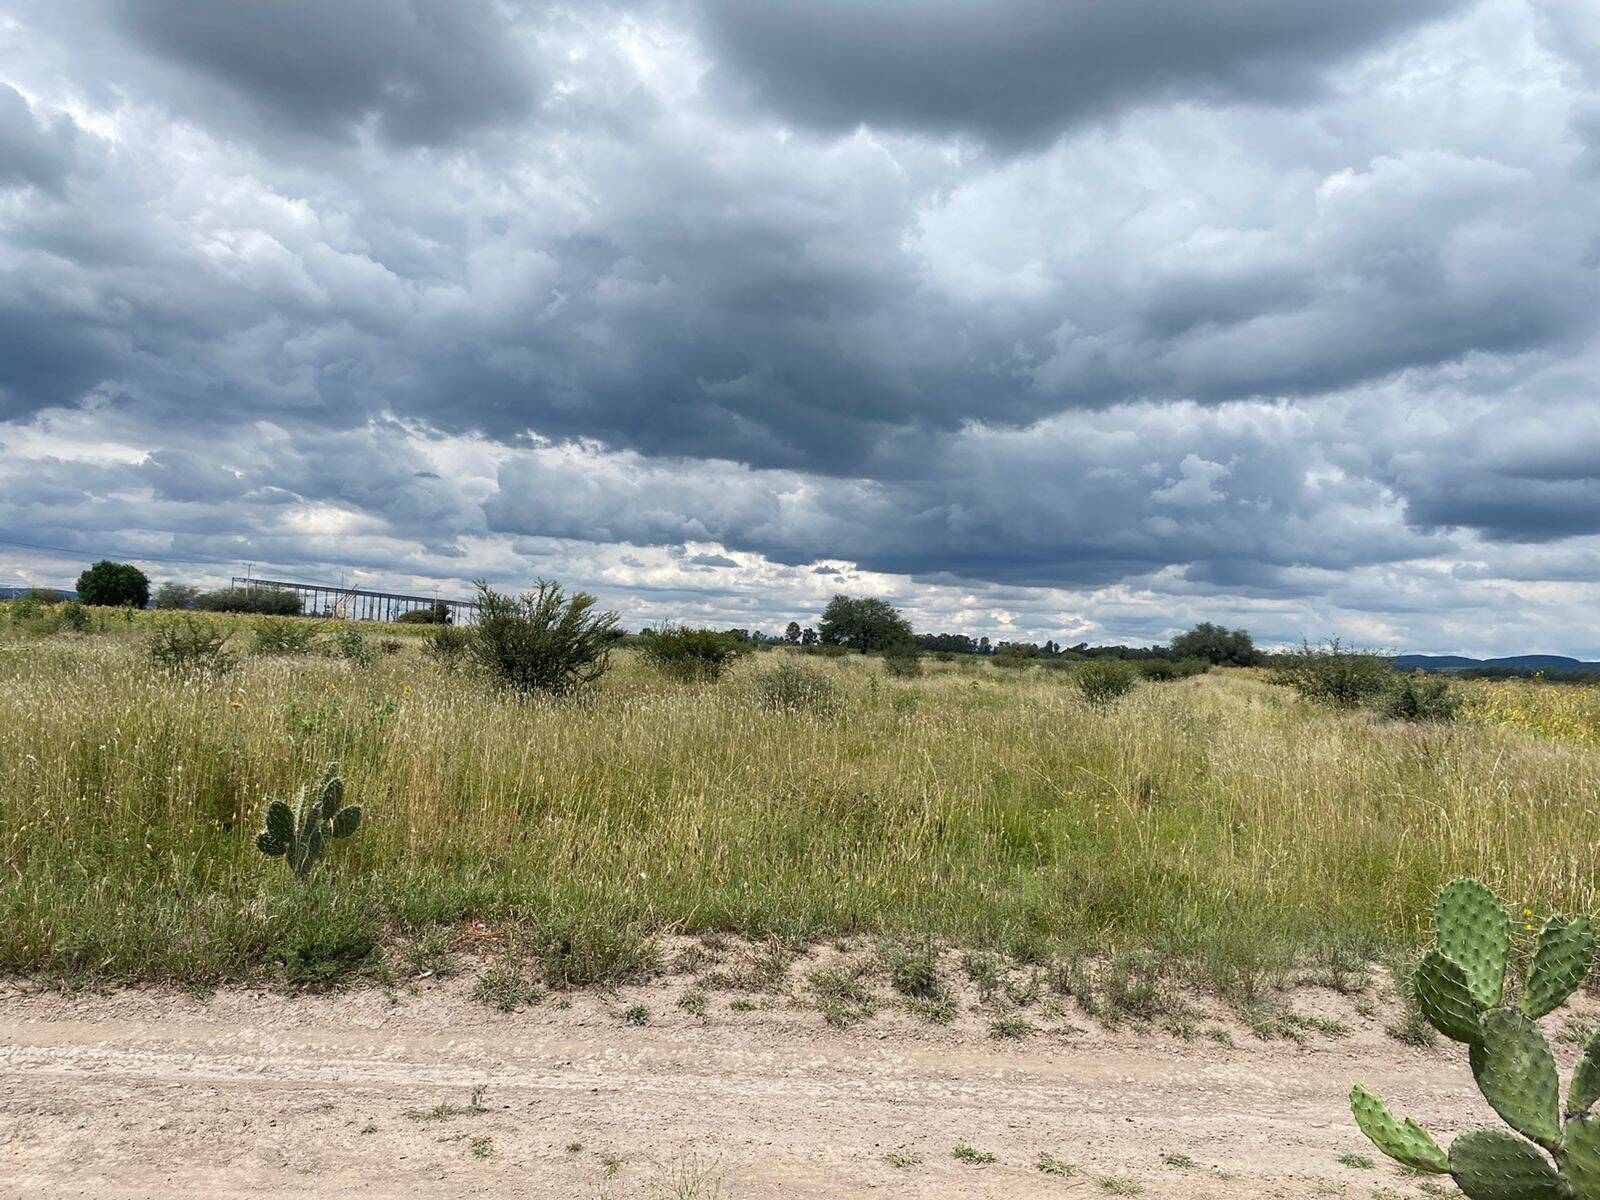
(252, 1094)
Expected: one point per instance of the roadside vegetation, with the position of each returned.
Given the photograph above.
(1167, 828)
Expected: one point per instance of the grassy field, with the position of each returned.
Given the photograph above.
(1219, 823)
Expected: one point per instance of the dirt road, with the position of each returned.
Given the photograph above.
(137, 1094)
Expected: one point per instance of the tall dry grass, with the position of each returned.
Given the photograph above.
(1219, 820)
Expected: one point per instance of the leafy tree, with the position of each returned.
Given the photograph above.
(543, 640)
(862, 624)
(437, 613)
(1216, 645)
(808, 636)
(176, 595)
(45, 596)
(792, 633)
(114, 585)
(272, 601)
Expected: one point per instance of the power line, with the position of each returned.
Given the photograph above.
(155, 558)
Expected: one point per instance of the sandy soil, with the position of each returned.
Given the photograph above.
(142, 1094)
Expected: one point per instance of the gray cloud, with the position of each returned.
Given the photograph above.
(1015, 72)
(519, 290)
(420, 73)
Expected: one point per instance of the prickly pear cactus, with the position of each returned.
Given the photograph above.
(300, 835)
(1460, 987)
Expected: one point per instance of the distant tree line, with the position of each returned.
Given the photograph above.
(863, 624)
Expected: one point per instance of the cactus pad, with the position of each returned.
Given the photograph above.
(1409, 1144)
(1445, 997)
(1585, 1089)
(1580, 1145)
(1474, 930)
(346, 822)
(1517, 1075)
(300, 834)
(1560, 963)
(1491, 1165)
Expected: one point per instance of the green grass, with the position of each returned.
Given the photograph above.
(1215, 831)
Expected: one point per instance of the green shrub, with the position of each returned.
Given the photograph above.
(351, 645)
(1333, 674)
(1461, 989)
(437, 613)
(692, 655)
(114, 585)
(448, 645)
(542, 641)
(44, 596)
(1419, 697)
(190, 644)
(267, 601)
(283, 635)
(74, 617)
(790, 687)
(902, 662)
(1102, 680)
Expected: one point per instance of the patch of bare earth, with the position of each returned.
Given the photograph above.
(424, 1092)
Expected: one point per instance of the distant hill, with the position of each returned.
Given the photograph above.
(1516, 662)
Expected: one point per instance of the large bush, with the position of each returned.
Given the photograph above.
(543, 640)
(190, 644)
(1334, 674)
(114, 585)
(269, 601)
(690, 654)
(1102, 680)
(1419, 697)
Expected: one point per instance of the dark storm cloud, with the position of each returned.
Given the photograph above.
(1015, 72)
(497, 288)
(422, 72)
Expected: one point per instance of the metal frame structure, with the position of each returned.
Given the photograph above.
(358, 604)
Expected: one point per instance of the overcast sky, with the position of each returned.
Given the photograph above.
(1082, 319)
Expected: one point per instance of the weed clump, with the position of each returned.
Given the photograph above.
(190, 644)
(281, 635)
(1419, 697)
(789, 687)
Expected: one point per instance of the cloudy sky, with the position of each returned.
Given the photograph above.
(1082, 319)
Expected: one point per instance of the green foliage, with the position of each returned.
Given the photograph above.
(172, 595)
(690, 655)
(437, 613)
(190, 644)
(74, 617)
(1415, 696)
(789, 687)
(1332, 674)
(901, 661)
(282, 635)
(350, 644)
(1103, 680)
(542, 641)
(300, 835)
(1216, 646)
(114, 585)
(862, 624)
(1165, 670)
(448, 644)
(44, 596)
(267, 601)
(1460, 986)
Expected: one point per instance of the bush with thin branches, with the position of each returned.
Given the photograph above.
(543, 640)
